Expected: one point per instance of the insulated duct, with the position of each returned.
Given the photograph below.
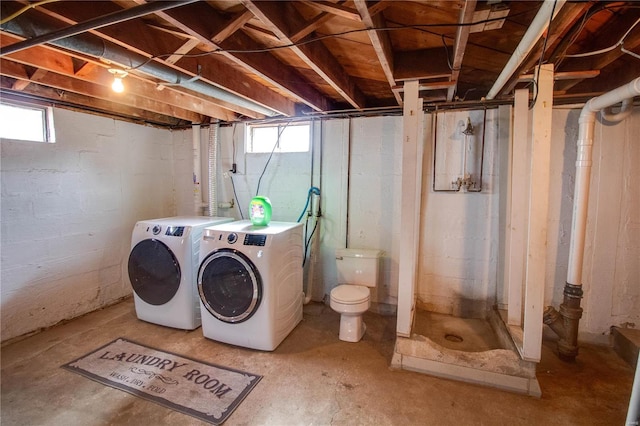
(89, 44)
(214, 128)
(93, 24)
(565, 323)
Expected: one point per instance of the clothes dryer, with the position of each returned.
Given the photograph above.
(250, 283)
(162, 267)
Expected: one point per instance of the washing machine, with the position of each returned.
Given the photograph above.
(250, 283)
(163, 264)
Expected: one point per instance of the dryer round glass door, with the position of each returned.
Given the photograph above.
(154, 272)
(230, 286)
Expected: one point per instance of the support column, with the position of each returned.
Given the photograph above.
(538, 216)
(410, 210)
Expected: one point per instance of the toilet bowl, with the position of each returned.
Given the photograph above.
(358, 270)
(350, 301)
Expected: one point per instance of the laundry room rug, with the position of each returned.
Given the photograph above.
(203, 390)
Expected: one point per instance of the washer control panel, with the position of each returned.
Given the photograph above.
(171, 231)
(255, 240)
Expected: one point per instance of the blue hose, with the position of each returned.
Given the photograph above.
(312, 190)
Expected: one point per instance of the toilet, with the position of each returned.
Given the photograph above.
(358, 270)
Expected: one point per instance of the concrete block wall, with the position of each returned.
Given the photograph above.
(459, 239)
(67, 211)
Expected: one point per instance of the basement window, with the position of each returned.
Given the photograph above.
(26, 122)
(284, 137)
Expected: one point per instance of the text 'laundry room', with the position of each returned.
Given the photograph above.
(301, 212)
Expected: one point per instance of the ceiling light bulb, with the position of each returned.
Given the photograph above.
(118, 75)
(117, 85)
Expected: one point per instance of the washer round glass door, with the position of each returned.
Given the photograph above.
(154, 272)
(230, 286)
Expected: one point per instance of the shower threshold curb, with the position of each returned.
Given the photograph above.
(501, 368)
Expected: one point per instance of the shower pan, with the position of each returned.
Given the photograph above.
(475, 350)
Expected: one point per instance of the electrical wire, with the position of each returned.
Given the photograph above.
(419, 27)
(235, 195)
(606, 49)
(585, 18)
(308, 240)
(24, 9)
(280, 131)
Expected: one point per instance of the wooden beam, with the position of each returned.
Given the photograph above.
(561, 76)
(61, 82)
(231, 27)
(381, 42)
(140, 38)
(187, 47)
(52, 60)
(337, 10)
(93, 105)
(599, 62)
(280, 17)
(462, 36)
(436, 85)
(567, 17)
(263, 64)
(310, 26)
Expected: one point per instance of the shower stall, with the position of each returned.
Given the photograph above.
(456, 319)
(474, 258)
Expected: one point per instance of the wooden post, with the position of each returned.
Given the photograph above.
(518, 203)
(538, 216)
(412, 149)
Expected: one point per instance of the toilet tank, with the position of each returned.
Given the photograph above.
(358, 266)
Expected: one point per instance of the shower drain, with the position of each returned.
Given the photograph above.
(453, 338)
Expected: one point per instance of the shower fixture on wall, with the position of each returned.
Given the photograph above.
(466, 141)
(465, 182)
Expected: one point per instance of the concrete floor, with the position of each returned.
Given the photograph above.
(312, 378)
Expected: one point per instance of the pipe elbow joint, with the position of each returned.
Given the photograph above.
(553, 319)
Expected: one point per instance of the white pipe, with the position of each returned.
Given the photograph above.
(583, 171)
(213, 167)
(625, 110)
(633, 414)
(197, 170)
(530, 38)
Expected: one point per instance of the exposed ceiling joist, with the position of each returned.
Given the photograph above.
(381, 42)
(460, 45)
(315, 55)
(262, 64)
(249, 59)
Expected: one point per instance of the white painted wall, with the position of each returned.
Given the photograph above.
(68, 210)
(458, 255)
(67, 213)
(611, 272)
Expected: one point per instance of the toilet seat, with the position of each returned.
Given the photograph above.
(346, 294)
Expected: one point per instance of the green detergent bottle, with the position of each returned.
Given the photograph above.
(260, 211)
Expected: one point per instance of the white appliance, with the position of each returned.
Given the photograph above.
(163, 264)
(250, 283)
